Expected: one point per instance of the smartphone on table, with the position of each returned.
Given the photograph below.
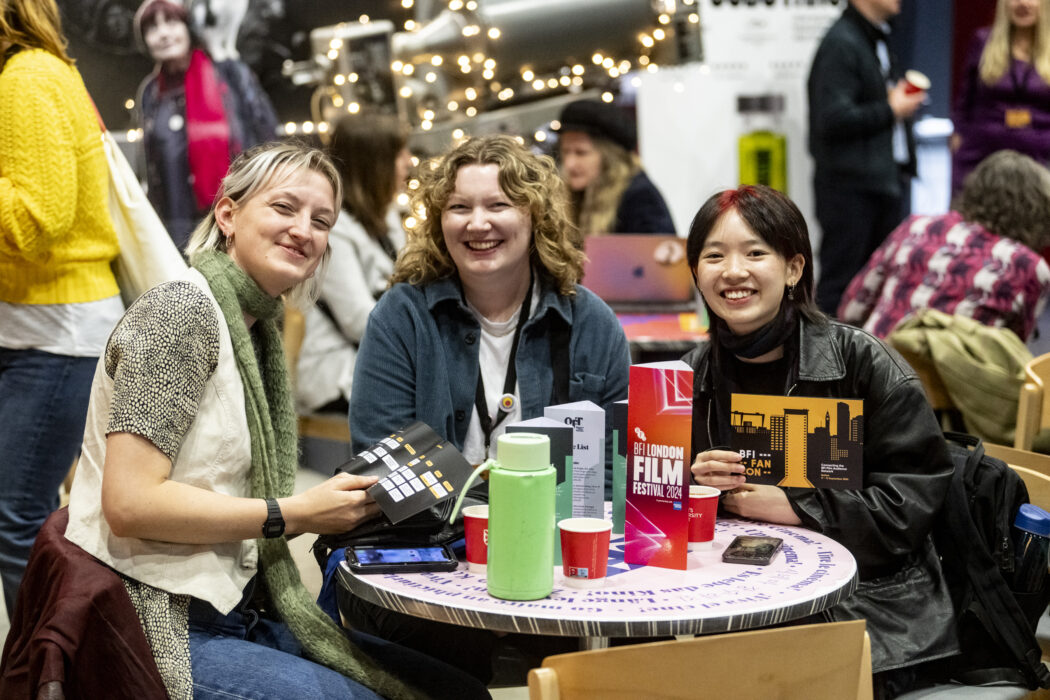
(752, 549)
(386, 559)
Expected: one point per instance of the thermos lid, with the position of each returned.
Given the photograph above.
(1032, 518)
(523, 452)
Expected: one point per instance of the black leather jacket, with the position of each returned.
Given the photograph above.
(887, 523)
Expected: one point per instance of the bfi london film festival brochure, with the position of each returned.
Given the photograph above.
(560, 436)
(799, 441)
(416, 467)
(588, 455)
(659, 444)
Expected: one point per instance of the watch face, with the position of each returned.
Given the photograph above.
(274, 525)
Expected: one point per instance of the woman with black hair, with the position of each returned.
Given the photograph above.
(750, 255)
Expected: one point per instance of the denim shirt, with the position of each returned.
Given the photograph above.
(419, 360)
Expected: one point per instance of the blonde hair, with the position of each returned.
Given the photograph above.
(595, 208)
(253, 171)
(34, 24)
(996, 57)
(529, 181)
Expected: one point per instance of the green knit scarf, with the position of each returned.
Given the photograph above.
(274, 439)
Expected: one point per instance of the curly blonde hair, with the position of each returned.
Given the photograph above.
(595, 208)
(529, 181)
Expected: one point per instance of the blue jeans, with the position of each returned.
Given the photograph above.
(43, 404)
(244, 655)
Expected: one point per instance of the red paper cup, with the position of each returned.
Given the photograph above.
(476, 527)
(915, 81)
(584, 551)
(703, 507)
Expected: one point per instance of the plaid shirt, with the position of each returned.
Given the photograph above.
(946, 263)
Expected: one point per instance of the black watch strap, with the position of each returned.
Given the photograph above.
(274, 525)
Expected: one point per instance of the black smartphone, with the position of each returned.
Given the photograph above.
(392, 560)
(752, 549)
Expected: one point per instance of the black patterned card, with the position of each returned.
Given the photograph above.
(416, 467)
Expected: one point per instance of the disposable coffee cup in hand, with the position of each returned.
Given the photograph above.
(584, 551)
(915, 81)
(476, 530)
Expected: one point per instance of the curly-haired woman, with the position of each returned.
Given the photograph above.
(485, 281)
(978, 260)
(484, 306)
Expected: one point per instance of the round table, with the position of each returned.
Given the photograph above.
(810, 574)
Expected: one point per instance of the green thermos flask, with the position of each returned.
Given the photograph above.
(521, 517)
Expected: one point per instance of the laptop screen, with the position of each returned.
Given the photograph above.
(638, 269)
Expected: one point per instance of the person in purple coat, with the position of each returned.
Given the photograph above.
(1004, 99)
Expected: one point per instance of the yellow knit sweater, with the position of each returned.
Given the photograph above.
(56, 237)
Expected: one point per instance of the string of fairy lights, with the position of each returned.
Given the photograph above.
(436, 88)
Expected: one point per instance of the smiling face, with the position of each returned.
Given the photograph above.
(581, 162)
(1024, 14)
(280, 234)
(741, 277)
(168, 41)
(487, 236)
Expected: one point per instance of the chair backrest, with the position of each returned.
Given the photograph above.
(818, 662)
(324, 427)
(1033, 468)
(1033, 407)
(293, 333)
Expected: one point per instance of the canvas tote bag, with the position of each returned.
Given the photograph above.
(148, 256)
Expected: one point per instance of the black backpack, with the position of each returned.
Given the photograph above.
(996, 625)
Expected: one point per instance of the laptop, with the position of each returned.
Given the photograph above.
(636, 272)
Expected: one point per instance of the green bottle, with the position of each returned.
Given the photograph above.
(521, 517)
(762, 148)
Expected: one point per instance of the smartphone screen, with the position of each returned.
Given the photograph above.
(403, 559)
(752, 549)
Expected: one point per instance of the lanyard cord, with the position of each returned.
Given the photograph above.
(487, 424)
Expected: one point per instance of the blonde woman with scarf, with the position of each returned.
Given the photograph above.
(190, 452)
(196, 115)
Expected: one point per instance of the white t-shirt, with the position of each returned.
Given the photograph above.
(76, 330)
(497, 340)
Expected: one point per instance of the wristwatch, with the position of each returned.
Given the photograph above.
(274, 525)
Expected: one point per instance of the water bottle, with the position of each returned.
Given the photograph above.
(1031, 544)
(521, 517)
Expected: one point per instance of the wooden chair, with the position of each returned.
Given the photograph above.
(315, 425)
(1033, 408)
(818, 662)
(1033, 467)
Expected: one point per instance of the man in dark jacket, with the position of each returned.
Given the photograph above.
(860, 138)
